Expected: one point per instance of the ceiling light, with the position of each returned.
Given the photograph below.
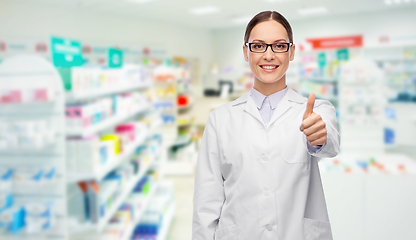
(273, 1)
(141, 1)
(204, 10)
(242, 20)
(387, 2)
(313, 10)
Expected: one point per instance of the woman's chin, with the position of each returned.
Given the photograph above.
(269, 80)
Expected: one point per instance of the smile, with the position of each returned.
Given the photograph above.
(269, 66)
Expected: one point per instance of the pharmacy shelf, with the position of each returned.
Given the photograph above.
(144, 203)
(320, 79)
(320, 96)
(106, 123)
(167, 221)
(181, 140)
(121, 199)
(72, 97)
(74, 177)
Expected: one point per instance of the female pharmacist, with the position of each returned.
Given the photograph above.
(257, 174)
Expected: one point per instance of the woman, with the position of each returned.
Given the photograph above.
(257, 174)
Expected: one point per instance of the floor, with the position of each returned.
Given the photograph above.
(181, 228)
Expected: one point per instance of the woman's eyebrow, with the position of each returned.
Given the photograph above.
(278, 40)
(258, 40)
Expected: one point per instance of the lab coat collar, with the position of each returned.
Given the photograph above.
(285, 105)
(290, 95)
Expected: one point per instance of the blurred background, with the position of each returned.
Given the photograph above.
(103, 104)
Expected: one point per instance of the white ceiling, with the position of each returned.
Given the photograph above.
(177, 11)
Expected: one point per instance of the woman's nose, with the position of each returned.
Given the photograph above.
(269, 54)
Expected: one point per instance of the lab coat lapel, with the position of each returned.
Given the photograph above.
(250, 107)
(285, 106)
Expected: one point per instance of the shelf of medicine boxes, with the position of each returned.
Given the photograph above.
(73, 177)
(167, 221)
(144, 202)
(72, 97)
(320, 80)
(103, 222)
(112, 121)
(330, 98)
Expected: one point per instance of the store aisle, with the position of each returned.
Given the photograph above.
(181, 228)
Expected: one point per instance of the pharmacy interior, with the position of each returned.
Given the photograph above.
(102, 111)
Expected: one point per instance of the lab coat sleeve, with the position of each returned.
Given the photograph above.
(209, 195)
(328, 114)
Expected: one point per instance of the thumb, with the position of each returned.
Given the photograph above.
(309, 106)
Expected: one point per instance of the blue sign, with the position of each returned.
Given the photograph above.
(66, 53)
(115, 58)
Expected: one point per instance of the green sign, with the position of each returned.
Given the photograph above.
(115, 58)
(321, 59)
(343, 54)
(66, 53)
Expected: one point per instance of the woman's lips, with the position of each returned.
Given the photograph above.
(269, 68)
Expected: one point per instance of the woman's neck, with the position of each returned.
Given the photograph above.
(268, 89)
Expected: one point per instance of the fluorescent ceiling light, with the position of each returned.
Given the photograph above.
(313, 10)
(390, 2)
(141, 1)
(242, 20)
(204, 10)
(274, 1)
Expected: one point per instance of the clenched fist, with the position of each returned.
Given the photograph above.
(313, 126)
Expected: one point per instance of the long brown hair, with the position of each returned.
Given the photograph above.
(266, 16)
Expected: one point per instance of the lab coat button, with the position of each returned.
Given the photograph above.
(269, 227)
(266, 193)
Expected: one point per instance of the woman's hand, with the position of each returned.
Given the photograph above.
(313, 126)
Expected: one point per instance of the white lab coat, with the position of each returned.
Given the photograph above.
(258, 182)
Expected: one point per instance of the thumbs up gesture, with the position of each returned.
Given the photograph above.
(312, 125)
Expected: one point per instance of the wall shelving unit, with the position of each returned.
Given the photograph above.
(32, 150)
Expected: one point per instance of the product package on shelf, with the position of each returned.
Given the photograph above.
(83, 79)
(29, 134)
(26, 95)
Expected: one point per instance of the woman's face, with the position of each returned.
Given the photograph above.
(269, 32)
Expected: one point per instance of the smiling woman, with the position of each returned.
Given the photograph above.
(257, 173)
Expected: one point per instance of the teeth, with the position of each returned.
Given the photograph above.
(269, 67)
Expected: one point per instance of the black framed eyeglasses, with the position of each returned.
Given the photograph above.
(262, 47)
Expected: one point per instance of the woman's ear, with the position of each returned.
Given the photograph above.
(245, 52)
(292, 52)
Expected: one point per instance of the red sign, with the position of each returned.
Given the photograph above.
(146, 51)
(337, 42)
(2, 46)
(384, 39)
(41, 47)
(86, 49)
